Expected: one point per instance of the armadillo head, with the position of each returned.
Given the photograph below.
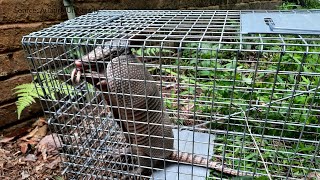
(93, 64)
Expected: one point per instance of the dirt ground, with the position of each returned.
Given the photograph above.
(30, 153)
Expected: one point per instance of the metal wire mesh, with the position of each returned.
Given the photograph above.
(210, 77)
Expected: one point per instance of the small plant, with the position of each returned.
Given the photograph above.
(27, 94)
(48, 87)
(289, 6)
(150, 51)
(300, 4)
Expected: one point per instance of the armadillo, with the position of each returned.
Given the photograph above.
(136, 100)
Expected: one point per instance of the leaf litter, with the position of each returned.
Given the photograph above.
(31, 155)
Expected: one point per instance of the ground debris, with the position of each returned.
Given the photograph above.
(24, 175)
(6, 139)
(313, 175)
(20, 157)
(48, 145)
(53, 164)
(30, 157)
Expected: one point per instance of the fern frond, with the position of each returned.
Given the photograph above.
(27, 93)
(48, 85)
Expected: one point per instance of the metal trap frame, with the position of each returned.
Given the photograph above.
(253, 86)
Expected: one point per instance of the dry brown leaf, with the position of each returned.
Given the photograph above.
(3, 152)
(50, 141)
(2, 162)
(188, 107)
(313, 175)
(20, 161)
(39, 167)
(25, 175)
(37, 136)
(53, 164)
(30, 157)
(44, 153)
(23, 147)
(40, 122)
(30, 135)
(6, 139)
(33, 142)
(42, 131)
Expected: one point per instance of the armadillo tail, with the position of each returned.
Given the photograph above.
(184, 157)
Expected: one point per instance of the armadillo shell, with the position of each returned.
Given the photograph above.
(143, 116)
(132, 100)
(153, 104)
(123, 77)
(141, 126)
(155, 130)
(164, 142)
(144, 131)
(150, 101)
(142, 104)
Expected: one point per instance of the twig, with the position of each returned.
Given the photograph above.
(254, 141)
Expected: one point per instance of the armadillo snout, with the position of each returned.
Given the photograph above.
(94, 69)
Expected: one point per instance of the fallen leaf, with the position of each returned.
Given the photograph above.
(54, 163)
(50, 141)
(6, 139)
(30, 157)
(2, 162)
(188, 107)
(313, 175)
(20, 161)
(39, 167)
(23, 147)
(16, 153)
(33, 142)
(4, 152)
(42, 131)
(25, 175)
(31, 134)
(41, 121)
(44, 153)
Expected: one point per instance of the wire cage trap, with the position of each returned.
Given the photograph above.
(238, 88)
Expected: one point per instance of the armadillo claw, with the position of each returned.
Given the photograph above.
(72, 74)
(78, 77)
(75, 76)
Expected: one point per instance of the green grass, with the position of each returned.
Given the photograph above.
(222, 78)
